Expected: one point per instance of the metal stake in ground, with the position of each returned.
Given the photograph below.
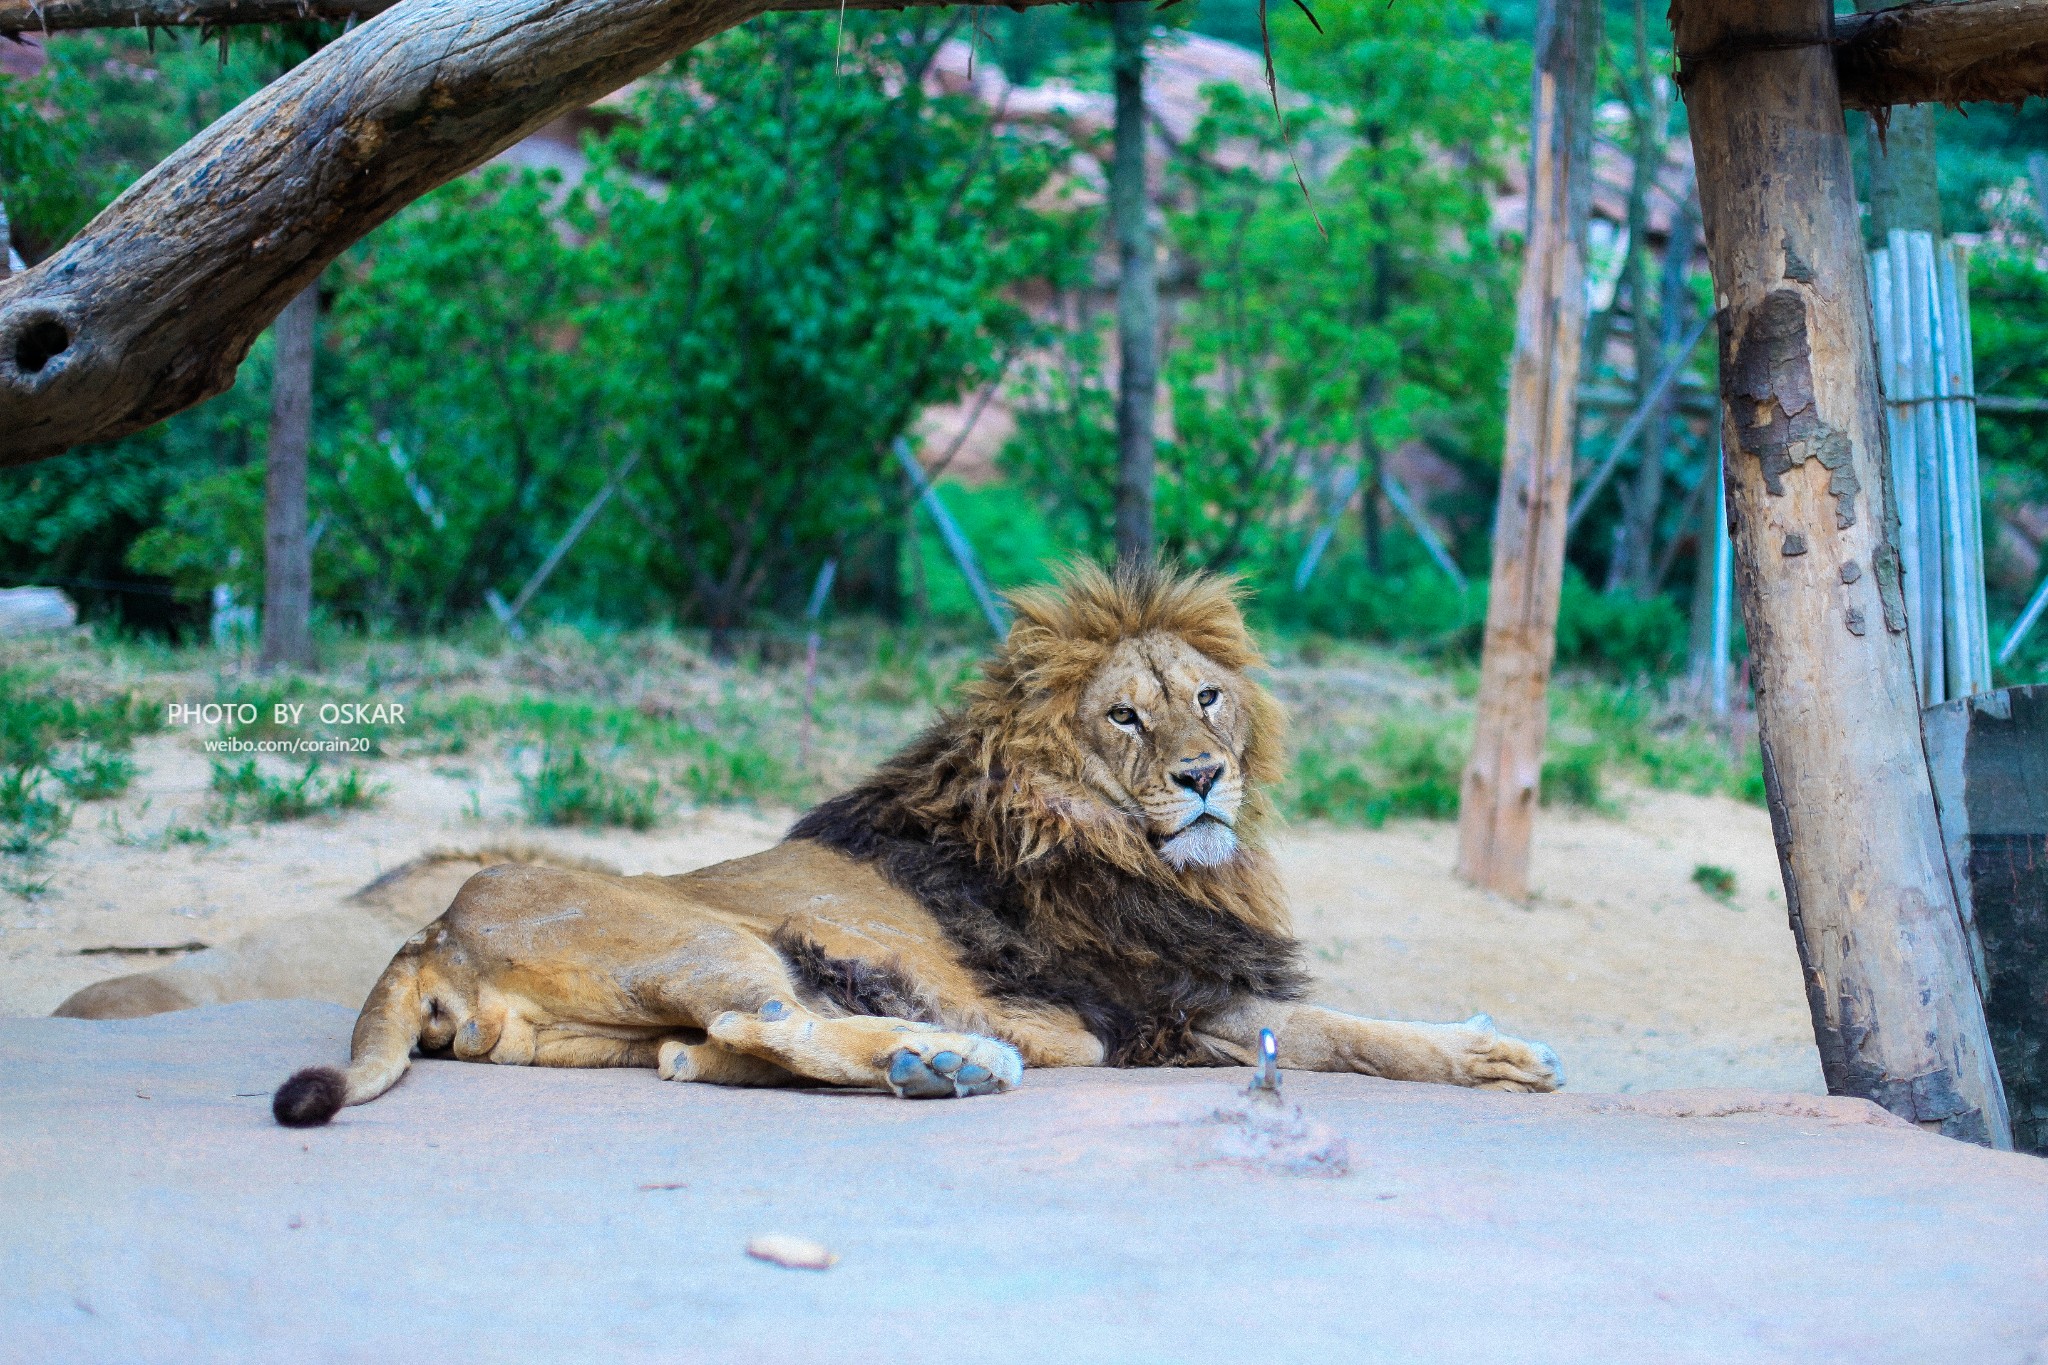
(820, 590)
(956, 540)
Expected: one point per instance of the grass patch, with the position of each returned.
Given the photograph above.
(573, 791)
(1406, 771)
(98, 776)
(1575, 775)
(731, 774)
(1718, 882)
(247, 792)
(34, 724)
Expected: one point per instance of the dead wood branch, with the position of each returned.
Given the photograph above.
(58, 16)
(1935, 53)
(152, 307)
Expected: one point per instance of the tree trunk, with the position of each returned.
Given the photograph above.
(287, 555)
(1137, 291)
(1497, 807)
(1896, 1010)
(1634, 566)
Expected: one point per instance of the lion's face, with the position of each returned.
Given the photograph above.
(1165, 731)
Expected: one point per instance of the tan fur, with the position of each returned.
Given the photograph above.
(333, 954)
(1108, 699)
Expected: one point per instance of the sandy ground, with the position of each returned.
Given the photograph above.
(1639, 979)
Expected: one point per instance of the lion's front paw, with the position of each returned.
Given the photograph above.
(1493, 1061)
(946, 1065)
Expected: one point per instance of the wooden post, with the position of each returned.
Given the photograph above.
(1137, 290)
(1497, 806)
(1896, 1010)
(287, 554)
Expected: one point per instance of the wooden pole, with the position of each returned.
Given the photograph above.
(1137, 290)
(1896, 1010)
(287, 553)
(1497, 807)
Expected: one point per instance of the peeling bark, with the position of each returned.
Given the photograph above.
(1896, 1011)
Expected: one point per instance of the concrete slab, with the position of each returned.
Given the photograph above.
(150, 1211)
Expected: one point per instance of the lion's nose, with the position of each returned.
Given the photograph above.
(1199, 780)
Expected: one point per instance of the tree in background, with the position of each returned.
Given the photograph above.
(1294, 356)
(1137, 290)
(796, 264)
(107, 107)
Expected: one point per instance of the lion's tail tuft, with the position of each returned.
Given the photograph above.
(310, 1097)
(381, 1051)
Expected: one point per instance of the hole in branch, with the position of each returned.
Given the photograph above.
(39, 344)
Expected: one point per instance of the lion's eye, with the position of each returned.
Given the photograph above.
(1207, 697)
(1123, 715)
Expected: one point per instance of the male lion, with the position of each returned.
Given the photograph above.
(1066, 871)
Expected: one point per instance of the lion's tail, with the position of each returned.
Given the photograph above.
(379, 1053)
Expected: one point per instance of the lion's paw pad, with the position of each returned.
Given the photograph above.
(982, 1066)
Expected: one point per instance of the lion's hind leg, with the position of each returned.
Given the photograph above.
(712, 1063)
(911, 1060)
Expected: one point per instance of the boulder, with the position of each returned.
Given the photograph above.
(35, 611)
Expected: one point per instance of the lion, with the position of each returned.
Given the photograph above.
(333, 954)
(1068, 869)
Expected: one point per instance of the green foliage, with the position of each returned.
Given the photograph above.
(1618, 635)
(572, 791)
(1406, 771)
(247, 792)
(97, 776)
(1012, 543)
(1601, 730)
(1297, 356)
(1716, 881)
(35, 720)
(1573, 775)
(1408, 600)
(826, 255)
(467, 422)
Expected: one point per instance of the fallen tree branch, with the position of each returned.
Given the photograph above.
(1937, 53)
(151, 308)
(59, 16)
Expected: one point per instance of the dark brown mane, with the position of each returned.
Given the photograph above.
(1050, 895)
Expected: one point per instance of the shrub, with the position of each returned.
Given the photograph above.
(1573, 775)
(1618, 634)
(1407, 771)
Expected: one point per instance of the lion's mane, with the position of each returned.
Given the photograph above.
(1051, 896)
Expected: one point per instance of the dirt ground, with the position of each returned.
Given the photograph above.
(1638, 978)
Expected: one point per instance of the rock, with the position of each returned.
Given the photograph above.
(794, 1253)
(496, 1213)
(35, 611)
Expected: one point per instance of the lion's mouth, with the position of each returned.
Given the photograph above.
(1204, 841)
